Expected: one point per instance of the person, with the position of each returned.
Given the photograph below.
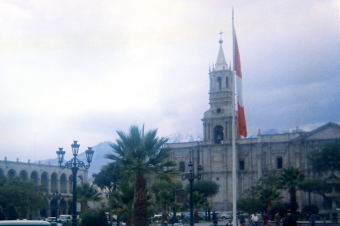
(277, 218)
(312, 219)
(243, 222)
(254, 218)
(265, 219)
(230, 223)
(214, 217)
(289, 221)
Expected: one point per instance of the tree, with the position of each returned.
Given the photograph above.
(22, 196)
(267, 195)
(86, 193)
(94, 217)
(266, 189)
(139, 155)
(121, 202)
(291, 178)
(326, 159)
(108, 176)
(207, 189)
(249, 205)
(165, 196)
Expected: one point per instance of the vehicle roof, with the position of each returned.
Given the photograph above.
(24, 222)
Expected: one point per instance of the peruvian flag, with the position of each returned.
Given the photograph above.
(242, 126)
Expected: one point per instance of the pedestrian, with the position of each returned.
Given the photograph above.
(243, 222)
(277, 218)
(254, 218)
(214, 217)
(289, 221)
(230, 223)
(265, 218)
(312, 219)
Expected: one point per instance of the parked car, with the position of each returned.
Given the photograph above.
(50, 219)
(24, 222)
(64, 218)
(226, 215)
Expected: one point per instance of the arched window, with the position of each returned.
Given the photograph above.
(218, 134)
(219, 83)
(227, 82)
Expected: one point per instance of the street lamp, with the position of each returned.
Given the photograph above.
(75, 164)
(57, 196)
(191, 176)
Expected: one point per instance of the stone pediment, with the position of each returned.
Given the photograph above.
(328, 131)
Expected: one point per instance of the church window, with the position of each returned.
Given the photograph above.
(241, 164)
(209, 131)
(218, 134)
(219, 83)
(227, 82)
(182, 166)
(279, 162)
(211, 84)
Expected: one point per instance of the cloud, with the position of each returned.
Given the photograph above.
(82, 70)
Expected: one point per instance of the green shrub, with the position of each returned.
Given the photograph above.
(94, 217)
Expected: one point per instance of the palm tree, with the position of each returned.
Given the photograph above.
(290, 179)
(121, 202)
(267, 195)
(86, 193)
(140, 155)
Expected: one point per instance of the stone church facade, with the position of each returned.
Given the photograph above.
(255, 156)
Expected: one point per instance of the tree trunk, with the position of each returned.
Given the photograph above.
(293, 203)
(140, 206)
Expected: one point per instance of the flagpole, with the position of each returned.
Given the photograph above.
(233, 127)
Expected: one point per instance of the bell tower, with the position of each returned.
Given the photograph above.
(217, 120)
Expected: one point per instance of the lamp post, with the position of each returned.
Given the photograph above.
(75, 164)
(174, 191)
(191, 176)
(57, 196)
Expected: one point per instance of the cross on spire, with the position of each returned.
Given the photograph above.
(221, 41)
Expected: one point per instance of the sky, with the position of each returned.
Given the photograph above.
(81, 70)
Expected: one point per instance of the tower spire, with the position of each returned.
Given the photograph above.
(221, 63)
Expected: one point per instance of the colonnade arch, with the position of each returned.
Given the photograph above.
(35, 177)
(23, 175)
(54, 183)
(11, 173)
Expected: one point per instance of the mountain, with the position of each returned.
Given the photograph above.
(98, 160)
(179, 138)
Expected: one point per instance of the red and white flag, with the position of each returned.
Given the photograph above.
(242, 126)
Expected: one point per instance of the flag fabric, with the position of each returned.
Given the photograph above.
(242, 127)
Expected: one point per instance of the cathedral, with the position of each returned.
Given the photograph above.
(254, 156)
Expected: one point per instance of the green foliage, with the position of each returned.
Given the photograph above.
(95, 217)
(86, 193)
(139, 154)
(121, 201)
(250, 205)
(266, 189)
(206, 188)
(21, 196)
(291, 178)
(310, 208)
(108, 176)
(326, 159)
(277, 207)
(165, 196)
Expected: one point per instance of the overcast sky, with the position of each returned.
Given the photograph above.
(80, 70)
